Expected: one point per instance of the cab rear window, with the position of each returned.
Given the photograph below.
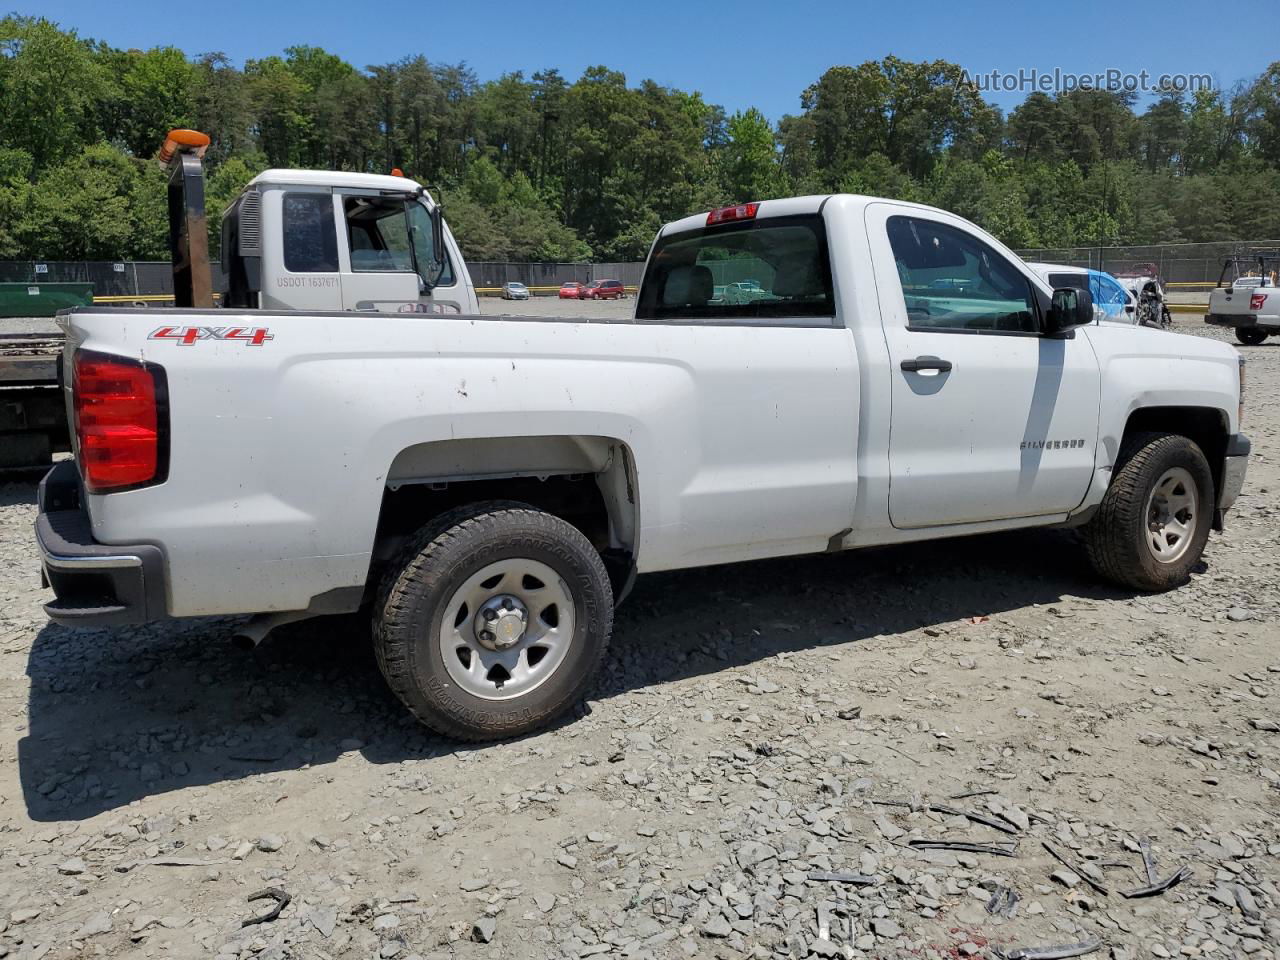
(776, 267)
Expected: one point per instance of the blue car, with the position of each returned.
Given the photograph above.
(1111, 301)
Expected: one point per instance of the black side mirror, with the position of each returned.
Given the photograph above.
(1069, 309)
(437, 235)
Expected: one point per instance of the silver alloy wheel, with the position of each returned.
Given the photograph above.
(1171, 515)
(507, 629)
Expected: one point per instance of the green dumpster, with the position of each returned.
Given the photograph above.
(42, 299)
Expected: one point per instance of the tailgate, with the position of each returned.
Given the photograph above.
(1228, 300)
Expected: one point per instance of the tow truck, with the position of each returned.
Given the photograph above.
(315, 240)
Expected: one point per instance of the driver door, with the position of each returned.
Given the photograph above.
(990, 420)
(379, 271)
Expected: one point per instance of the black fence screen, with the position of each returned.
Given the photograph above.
(1180, 264)
(155, 278)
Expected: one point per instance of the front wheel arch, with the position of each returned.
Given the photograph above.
(1207, 427)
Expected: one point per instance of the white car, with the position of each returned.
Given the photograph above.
(490, 486)
(1112, 302)
(514, 290)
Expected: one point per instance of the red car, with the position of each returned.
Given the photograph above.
(604, 290)
(571, 291)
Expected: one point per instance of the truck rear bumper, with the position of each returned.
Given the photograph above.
(1241, 320)
(94, 584)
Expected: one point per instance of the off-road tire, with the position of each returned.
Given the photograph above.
(1250, 336)
(1116, 536)
(440, 557)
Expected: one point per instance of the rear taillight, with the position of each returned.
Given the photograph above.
(1256, 301)
(121, 422)
(743, 211)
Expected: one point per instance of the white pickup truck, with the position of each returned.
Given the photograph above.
(1247, 298)
(488, 487)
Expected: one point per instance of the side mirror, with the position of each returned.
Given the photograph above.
(1069, 309)
(437, 235)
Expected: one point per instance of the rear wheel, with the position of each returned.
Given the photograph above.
(1250, 336)
(1151, 527)
(494, 621)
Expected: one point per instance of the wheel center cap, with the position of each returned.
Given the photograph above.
(501, 622)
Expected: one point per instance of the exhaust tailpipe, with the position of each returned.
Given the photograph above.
(252, 632)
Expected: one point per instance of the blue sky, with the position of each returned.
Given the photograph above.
(746, 53)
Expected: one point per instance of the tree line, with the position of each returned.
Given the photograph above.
(541, 168)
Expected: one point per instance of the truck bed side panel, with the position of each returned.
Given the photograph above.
(744, 437)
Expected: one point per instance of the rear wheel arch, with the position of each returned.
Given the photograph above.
(590, 482)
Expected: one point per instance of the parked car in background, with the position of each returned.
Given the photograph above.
(1111, 301)
(744, 291)
(514, 290)
(1247, 297)
(571, 291)
(604, 290)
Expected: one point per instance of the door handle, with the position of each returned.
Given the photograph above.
(926, 363)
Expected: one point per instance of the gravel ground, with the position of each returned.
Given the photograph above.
(753, 776)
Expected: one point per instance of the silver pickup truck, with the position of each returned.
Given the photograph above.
(1247, 298)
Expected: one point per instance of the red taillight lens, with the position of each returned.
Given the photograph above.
(121, 421)
(1257, 300)
(743, 211)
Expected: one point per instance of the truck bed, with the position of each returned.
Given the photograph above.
(31, 356)
(33, 423)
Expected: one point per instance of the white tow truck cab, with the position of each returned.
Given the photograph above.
(488, 486)
(1247, 297)
(320, 240)
(310, 240)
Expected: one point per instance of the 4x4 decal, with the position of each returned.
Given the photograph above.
(186, 336)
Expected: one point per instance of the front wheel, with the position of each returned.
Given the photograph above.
(494, 622)
(1150, 530)
(1250, 336)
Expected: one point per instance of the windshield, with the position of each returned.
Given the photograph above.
(772, 267)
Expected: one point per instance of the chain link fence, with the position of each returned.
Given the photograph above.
(546, 277)
(154, 279)
(109, 279)
(1190, 266)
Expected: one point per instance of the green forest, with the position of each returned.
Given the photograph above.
(542, 168)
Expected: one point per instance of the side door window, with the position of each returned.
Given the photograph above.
(379, 235)
(951, 280)
(393, 235)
